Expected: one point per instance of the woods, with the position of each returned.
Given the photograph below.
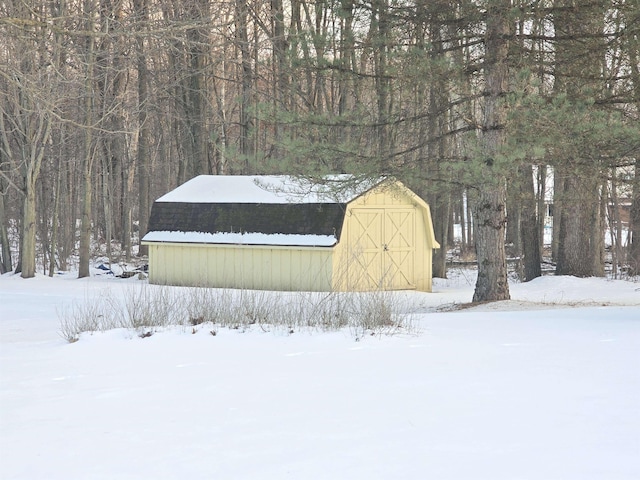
(107, 104)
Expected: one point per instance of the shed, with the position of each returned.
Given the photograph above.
(289, 233)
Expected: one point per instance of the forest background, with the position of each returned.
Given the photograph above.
(107, 104)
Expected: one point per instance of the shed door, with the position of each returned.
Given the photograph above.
(365, 239)
(399, 248)
(383, 247)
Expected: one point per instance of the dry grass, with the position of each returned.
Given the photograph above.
(148, 308)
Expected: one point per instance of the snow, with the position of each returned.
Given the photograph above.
(265, 189)
(545, 386)
(246, 238)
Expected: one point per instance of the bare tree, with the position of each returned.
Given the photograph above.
(26, 115)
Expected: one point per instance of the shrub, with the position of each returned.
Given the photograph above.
(146, 308)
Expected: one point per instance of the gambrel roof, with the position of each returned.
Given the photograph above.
(255, 210)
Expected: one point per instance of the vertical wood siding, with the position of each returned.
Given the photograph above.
(241, 266)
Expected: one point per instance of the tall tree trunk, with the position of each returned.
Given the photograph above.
(380, 25)
(580, 54)
(460, 206)
(107, 197)
(529, 226)
(579, 251)
(514, 221)
(25, 119)
(346, 54)
(541, 205)
(246, 76)
(85, 213)
(597, 223)
(32, 171)
(54, 223)
(438, 147)
(612, 219)
(6, 263)
(111, 74)
(634, 228)
(84, 252)
(198, 40)
(280, 67)
(144, 131)
(557, 206)
(489, 209)
(634, 246)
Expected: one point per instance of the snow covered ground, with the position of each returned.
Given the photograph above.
(544, 387)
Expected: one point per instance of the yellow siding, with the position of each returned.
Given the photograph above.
(241, 266)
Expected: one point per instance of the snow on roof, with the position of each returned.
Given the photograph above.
(228, 238)
(267, 189)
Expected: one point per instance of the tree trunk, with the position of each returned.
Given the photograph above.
(579, 59)
(463, 224)
(438, 149)
(246, 75)
(198, 12)
(6, 264)
(634, 220)
(541, 205)
(513, 234)
(84, 252)
(54, 223)
(614, 222)
(529, 226)
(33, 164)
(85, 215)
(28, 244)
(579, 251)
(598, 222)
(557, 207)
(514, 201)
(441, 231)
(634, 228)
(490, 220)
(489, 209)
(144, 133)
(379, 19)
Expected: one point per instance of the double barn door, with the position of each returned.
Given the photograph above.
(383, 247)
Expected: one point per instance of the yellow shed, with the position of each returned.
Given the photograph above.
(289, 233)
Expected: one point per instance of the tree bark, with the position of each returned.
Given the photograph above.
(6, 264)
(578, 249)
(246, 80)
(634, 246)
(144, 134)
(32, 171)
(54, 223)
(489, 209)
(541, 206)
(84, 252)
(578, 77)
(529, 226)
(442, 220)
(634, 227)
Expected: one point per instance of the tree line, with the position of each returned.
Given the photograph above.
(107, 104)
